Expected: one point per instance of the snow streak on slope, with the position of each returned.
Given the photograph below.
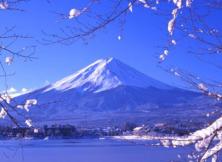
(105, 74)
(109, 92)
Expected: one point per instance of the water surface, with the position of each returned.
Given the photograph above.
(85, 150)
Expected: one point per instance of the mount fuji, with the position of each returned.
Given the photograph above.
(103, 75)
(109, 92)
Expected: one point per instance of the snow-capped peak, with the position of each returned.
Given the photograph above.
(105, 74)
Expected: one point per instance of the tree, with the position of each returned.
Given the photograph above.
(8, 52)
(189, 19)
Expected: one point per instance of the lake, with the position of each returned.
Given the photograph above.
(85, 150)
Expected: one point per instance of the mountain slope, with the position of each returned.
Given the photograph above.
(107, 92)
(105, 74)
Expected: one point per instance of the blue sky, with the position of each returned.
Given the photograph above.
(143, 34)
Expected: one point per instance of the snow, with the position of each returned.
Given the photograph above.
(3, 113)
(98, 92)
(201, 138)
(105, 74)
(74, 13)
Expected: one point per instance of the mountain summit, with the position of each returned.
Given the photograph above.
(105, 74)
(107, 92)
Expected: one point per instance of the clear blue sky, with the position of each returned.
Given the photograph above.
(143, 33)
